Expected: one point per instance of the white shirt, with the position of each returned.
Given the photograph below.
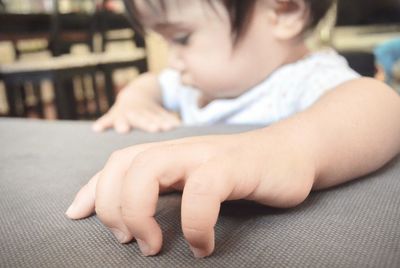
(288, 90)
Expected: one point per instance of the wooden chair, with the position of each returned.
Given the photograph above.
(71, 29)
(109, 62)
(115, 27)
(59, 71)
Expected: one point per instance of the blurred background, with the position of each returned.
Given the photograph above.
(67, 59)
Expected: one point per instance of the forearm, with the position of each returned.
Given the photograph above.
(145, 86)
(356, 130)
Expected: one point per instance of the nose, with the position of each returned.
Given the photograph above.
(175, 62)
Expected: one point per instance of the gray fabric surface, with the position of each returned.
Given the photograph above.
(43, 164)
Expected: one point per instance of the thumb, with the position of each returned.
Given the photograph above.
(83, 204)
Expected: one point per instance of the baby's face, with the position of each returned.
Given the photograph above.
(202, 47)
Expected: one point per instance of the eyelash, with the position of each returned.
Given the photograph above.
(182, 40)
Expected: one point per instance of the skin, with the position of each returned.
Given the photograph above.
(138, 106)
(380, 73)
(218, 69)
(351, 131)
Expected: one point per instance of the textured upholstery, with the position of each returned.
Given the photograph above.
(43, 164)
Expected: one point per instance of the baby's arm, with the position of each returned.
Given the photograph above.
(357, 130)
(351, 131)
(138, 106)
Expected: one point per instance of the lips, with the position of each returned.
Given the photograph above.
(186, 79)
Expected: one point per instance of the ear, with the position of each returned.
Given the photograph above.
(288, 18)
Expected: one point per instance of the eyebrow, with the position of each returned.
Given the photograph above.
(169, 26)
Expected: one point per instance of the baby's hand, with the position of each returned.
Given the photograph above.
(134, 112)
(209, 170)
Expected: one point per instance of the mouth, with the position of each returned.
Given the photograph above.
(186, 80)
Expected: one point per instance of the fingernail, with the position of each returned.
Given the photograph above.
(121, 237)
(71, 210)
(144, 247)
(198, 253)
(96, 128)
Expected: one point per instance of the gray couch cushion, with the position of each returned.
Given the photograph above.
(43, 164)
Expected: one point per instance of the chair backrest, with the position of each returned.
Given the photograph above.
(68, 29)
(361, 62)
(27, 32)
(111, 20)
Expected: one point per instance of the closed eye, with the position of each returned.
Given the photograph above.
(182, 40)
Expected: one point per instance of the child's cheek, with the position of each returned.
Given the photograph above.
(207, 74)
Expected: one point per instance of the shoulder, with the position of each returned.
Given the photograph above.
(326, 62)
(321, 72)
(329, 69)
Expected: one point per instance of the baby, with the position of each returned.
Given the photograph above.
(237, 62)
(231, 62)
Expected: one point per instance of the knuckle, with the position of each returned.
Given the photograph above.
(196, 186)
(104, 215)
(115, 216)
(145, 158)
(116, 156)
(195, 232)
(131, 215)
(151, 155)
(196, 224)
(100, 211)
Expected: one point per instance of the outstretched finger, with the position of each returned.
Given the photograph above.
(121, 125)
(84, 203)
(103, 123)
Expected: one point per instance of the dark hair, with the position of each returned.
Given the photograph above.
(318, 9)
(240, 12)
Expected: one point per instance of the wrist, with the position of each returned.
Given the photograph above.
(296, 140)
(144, 88)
